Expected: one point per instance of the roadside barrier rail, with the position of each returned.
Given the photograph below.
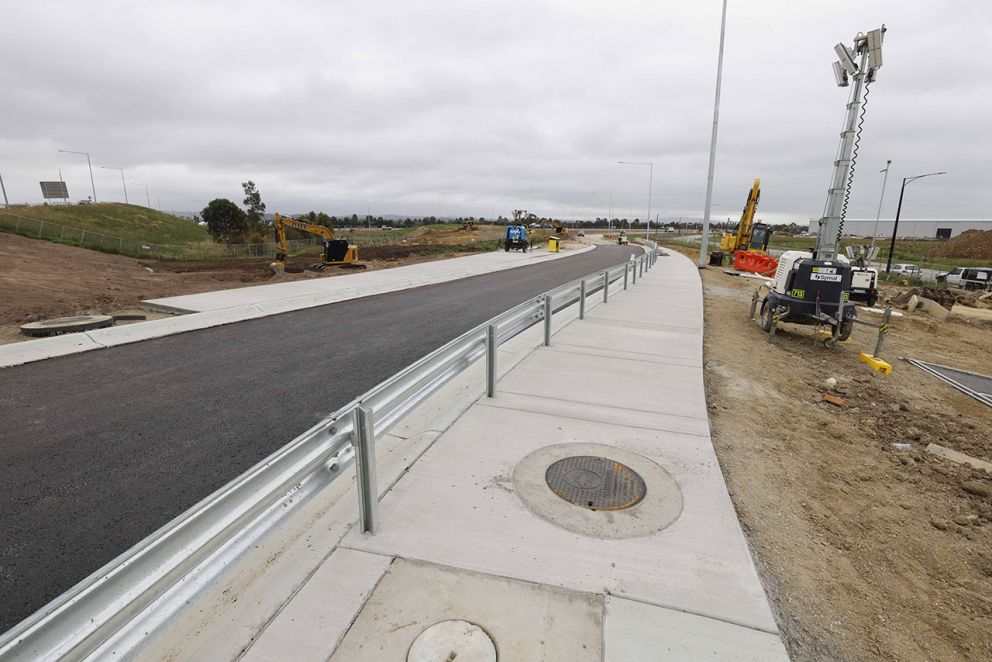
(114, 610)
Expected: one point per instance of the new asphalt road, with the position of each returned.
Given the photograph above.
(97, 450)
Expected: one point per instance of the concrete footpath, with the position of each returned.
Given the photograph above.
(210, 309)
(578, 515)
(321, 291)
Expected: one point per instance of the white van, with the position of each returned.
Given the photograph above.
(969, 278)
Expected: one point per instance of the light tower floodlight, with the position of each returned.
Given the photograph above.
(875, 48)
(841, 75)
(846, 58)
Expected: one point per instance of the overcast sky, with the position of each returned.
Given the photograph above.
(477, 108)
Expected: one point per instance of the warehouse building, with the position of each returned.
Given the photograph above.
(909, 228)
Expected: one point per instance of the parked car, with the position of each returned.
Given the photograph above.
(969, 278)
(908, 270)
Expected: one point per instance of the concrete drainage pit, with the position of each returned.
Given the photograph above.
(598, 490)
(452, 641)
(596, 483)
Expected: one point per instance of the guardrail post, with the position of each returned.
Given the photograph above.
(633, 271)
(491, 348)
(582, 299)
(547, 321)
(626, 270)
(606, 285)
(363, 439)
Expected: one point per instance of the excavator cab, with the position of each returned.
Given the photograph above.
(760, 234)
(335, 250)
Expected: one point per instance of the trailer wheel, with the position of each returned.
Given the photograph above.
(846, 327)
(766, 316)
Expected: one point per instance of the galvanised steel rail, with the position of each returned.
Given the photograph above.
(114, 610)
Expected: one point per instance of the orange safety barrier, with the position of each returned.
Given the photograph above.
(756, 263)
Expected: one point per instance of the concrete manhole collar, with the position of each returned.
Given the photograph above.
(452, 640)
(598, 490)
(597, 483)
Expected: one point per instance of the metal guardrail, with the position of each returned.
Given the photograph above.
(114, 610)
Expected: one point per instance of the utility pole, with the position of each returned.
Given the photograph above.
(705, 241)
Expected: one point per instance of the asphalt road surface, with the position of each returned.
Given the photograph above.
(99, 449)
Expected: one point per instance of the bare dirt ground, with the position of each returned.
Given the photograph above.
(867, 553)
(41, 280)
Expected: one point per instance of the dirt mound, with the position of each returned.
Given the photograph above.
(943, 296)
(975, 244)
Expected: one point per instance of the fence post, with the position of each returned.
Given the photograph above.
(17, 226)
(62, 233)
(82, 239)
(120, 245)
(606, 285)
(582, 299)
(491, 348)
(633, 271)
(626, 269)
(41, 226)
(547, 320)
(363, 438)
(882, 328)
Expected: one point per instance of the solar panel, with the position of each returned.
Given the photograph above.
(54, 190)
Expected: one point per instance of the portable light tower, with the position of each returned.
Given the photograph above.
(860, 64)
(818, 287)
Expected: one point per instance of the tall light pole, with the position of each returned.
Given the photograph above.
(878, 214)
(87, 155)
(895, 226)
(705, 241)
(122, 180)
(148, 198)
(650, 186)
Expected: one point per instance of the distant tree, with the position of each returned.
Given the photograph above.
(254, 205)
(324, 219)
(225, 221)
(354, 220)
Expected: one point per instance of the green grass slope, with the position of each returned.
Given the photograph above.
(128, 222)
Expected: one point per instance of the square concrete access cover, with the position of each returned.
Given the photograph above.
(525, 621)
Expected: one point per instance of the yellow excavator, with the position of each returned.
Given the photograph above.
(748, 246)
(560, 229)
(336, 252)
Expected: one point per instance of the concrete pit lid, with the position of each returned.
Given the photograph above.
(58, 326)
(452, 640)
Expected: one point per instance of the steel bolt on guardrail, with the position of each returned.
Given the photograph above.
(115, 610)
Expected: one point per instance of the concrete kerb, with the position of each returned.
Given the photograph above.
(57, 346)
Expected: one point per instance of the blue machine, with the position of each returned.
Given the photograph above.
(516, 238)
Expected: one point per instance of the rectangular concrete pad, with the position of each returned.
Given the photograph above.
(525, 621)
(317, 617)
(636, 631)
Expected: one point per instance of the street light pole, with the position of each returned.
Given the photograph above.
(895, 226)
(87, 155)
(148, 198)
(705, 240)
(123, 183)
(878, 214)
(650, 184)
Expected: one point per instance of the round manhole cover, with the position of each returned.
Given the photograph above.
(62, 325)
(597, 483)
(448, 641)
